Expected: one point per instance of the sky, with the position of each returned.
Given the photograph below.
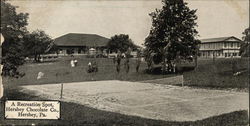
(216, 18)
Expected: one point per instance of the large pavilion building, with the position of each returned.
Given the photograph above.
(80, 44)
(223, 47)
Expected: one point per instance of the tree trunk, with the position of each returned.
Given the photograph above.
(39, 57)
(163, 64)
(35, 58)
(196, 61)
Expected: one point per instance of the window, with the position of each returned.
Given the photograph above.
(238, 44)
(232, 44)
(79, 50)
(225, 44)
(225, 54)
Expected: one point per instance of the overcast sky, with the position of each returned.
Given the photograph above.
(107, 18)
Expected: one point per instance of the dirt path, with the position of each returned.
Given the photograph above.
(147, 100)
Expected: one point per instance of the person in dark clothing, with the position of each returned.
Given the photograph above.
(95, 67)
(119, 57)
(126, 64)
(118, 60)
(138, 61)
(114, 59)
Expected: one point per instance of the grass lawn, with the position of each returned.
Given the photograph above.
(219, 74)
(61, 72)
(208, 74)
(75, 114)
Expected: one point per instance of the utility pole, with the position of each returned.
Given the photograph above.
(61, 96)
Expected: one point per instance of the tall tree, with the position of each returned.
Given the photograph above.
(13, 28)
(173, 32)
(245, 47)
(37, 43)
(121, 43)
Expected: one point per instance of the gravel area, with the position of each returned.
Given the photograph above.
(148, 100)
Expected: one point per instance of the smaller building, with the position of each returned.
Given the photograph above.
(81, 44)
(223, 47)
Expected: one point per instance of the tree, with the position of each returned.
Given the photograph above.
(173, 32)
(244, 49)
(37, 43)
(52, 48)
(120, 43)
(13, 28)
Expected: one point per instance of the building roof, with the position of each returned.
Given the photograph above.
(77, 39)
(220, 39)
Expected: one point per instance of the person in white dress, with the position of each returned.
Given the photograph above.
(72, 63)
(75, 61)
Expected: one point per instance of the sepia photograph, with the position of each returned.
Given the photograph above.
(124, 62)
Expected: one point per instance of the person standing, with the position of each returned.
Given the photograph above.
(174, 67)
(75, 61)
(91, 70)
(118, 62)
(127, 63)
(138, 61)
(95, 67)
(72, 63)
(114, 59)
(89, 67)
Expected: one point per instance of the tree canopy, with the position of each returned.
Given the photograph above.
(13, 28)
(173, 32)
(244, 49)
(36, 43)
(121, 43)
(19, 42)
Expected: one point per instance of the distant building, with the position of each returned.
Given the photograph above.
(77, 44)
(223, 47)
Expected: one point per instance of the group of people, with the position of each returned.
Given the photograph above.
(117, 60)
(92, 67)
(170, 67)
(73, 63)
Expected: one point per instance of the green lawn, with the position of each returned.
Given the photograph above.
(219, 74)
(212, 74)
(61, 72)
(208, 74)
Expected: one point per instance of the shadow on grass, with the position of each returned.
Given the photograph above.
(219, 74)
(230, 72)
(158, 70)
(75, 114)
